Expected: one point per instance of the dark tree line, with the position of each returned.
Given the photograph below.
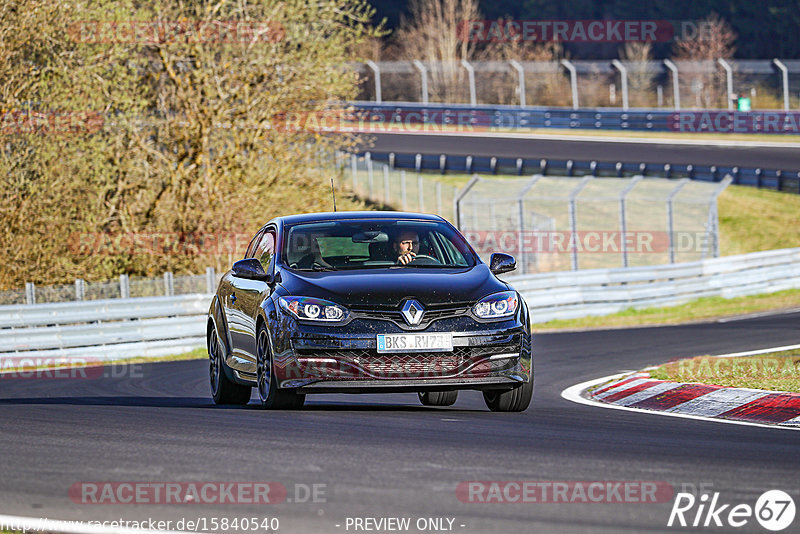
(765, 28)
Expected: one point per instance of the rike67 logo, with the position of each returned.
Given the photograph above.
(774, 510)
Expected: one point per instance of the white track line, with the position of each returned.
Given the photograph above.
(589, 138)
(575, 394)
(38, 524)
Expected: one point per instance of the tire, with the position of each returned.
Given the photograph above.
(438, 398)
(269, 396)
(223, 390)
(515, 400)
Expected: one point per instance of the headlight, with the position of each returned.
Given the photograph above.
(311, 309)
(503, 304)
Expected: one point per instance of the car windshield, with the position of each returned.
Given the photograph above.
(371, 244)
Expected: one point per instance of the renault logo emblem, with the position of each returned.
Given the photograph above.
(412, 312)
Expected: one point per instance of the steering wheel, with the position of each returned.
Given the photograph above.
(426, 260)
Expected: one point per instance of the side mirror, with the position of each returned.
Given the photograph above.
(251, 269)
(502, 263)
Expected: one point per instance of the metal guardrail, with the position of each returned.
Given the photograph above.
(158, 326)
(569, 295)
(104, 329)
(774, 179)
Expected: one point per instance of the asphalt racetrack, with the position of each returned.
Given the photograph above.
(713, 152)
(387, 456)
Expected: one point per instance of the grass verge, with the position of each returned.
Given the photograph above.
(778, 372)
(705, 308)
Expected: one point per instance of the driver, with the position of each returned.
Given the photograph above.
(406, 246)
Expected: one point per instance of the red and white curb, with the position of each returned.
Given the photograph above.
(639, 392)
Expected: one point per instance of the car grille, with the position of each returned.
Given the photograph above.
(431, 314)
(409, 365)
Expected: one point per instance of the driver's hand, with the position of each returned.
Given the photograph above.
(406, 258)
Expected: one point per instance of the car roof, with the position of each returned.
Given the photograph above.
(343, 215)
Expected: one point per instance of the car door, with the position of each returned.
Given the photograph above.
(246, 298)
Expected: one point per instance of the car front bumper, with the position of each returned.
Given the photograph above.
(315, 359)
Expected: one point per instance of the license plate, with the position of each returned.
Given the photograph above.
(415, 342)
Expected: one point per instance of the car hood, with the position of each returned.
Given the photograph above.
(389, 287)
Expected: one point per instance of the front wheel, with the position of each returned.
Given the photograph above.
(223, 390)
(268, 393)
(438, 398)
(514, 400)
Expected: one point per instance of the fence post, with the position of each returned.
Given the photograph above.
(353, 170)
(30, 293)
(423, 79)
(403, 189)
(623, 72)
(421, 192)
(521, 73)
(573, 77)
(211, 280)
(785, 79)
(169, 288)
(368, 159)
(460, 195)
(377, 71)
(80, 289)
(573, 217)
(386, 195)
(676, 88)
(623, 222)
(670, 218)
(471, 76)
(729, 80)
(124, 287)
(521, 237)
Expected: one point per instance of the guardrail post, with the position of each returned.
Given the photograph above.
(468, 164)
(80, 289)
(570, 165)
(593, 168)
(443, 163)
(30, 293)
(667, 170)
(543, 167)
(618, 168)
(519, 166)
(573, 77)
(676, 88)
(169, 288)
(493, 165)
(785, 79)
(779, 176)
(211, 280)
(729, 80)
(759, 178)
(670, 220)
(521, 73)
(473, 100)
(423, 72)
(418, 162)
(375, 69)
(623, 72)
(124, 287)
(573, 218)
(623, 222)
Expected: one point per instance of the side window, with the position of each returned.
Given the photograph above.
(265, 249)
(251, 248)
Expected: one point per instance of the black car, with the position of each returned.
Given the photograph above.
(368, 302)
